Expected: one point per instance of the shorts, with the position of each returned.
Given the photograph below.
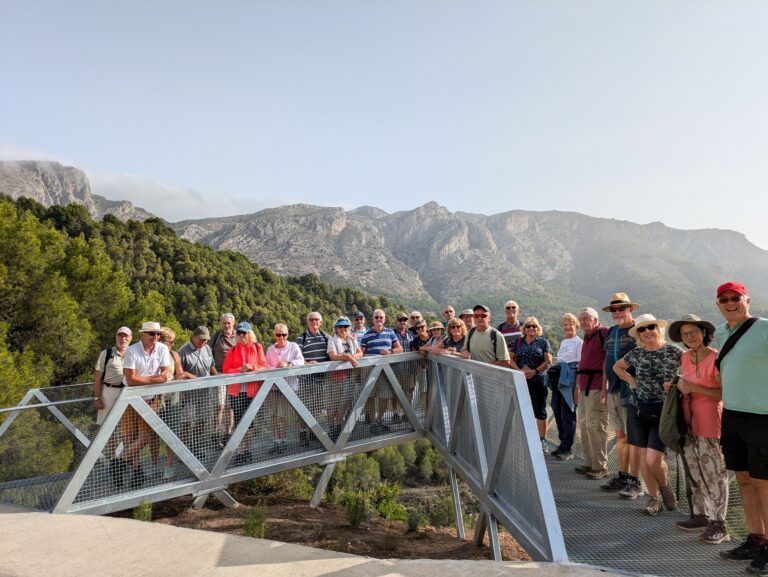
(745, 443)
(643, 426)
(108, 397)
(617, 414)
(131, 425)
(538, 392)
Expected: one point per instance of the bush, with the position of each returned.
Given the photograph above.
(414, 520)
(385, 501)
(442, 515)
(143, 512)
(391, 463)
(425, 467)
(293, 483)
(408, 451)
(256, 521)
(358, 507)
(358, 473)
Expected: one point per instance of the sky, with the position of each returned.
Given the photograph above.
(641, 111)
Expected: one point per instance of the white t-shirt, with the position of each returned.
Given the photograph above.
(291, 354)
(336, 345)
(570, 350)
(146, 364)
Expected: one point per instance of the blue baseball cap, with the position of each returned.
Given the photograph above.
(243, 327)
(342, 322)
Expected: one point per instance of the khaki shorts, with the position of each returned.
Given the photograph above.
(108, 397)
(617, 415)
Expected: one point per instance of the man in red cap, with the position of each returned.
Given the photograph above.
(743, 363)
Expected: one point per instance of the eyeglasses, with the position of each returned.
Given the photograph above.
(313, 320)
(402, 320)
(281, 335)
(726, 300)
(641, 330)
(618, 309)
(688, 334)
(378, 317)
(419, 327)
(415, 317)
(455, 328)
(154, 334)
(240, 333)
(530, 327)
(480, 315)
(123, 336)
(447, 312)
(510, 308)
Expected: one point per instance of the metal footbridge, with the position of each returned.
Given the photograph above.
(53, 456)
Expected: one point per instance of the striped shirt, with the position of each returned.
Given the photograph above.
(313, 348)
(374, 342)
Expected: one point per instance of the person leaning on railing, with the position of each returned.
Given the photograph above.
(281, 355)
(343, 347)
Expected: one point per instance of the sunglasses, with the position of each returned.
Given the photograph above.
(641, 330)
(421, 326)
(455, 328)
(618, 309)
(402, 320)
(447, 312)
(530, 327)
(513, 308)
(241, 333)
(480, 315)
(154, 334)
(725, 300)
(378, 317)
(281, 335)
(315, 320)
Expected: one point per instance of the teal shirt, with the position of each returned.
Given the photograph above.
(744, 371)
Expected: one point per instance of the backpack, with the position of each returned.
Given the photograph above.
(494, 333)
(108, 354)
(672, 427)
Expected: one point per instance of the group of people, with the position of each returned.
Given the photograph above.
(614, 377)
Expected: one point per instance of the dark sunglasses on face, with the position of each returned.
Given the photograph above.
(281, 334)
(530, 327)
(726, 300)
(641, 330)
(378, 317)
(402, 320)
(241, 333)
(511, 308)
(154, 334)
(480, 315)
(618, 309)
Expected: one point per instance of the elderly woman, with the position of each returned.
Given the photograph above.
(245, 357)
(563, 401)
(436, 335)
(655, 363)
(453, 342)
(279, 356)
(703, 409)
(342, 346)
(169, 411)
(532, 355)
(421, 339)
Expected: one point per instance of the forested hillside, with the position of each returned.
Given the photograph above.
(68, 282)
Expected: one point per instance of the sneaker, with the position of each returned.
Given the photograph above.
(695, 523)
(615, 484)
(653, 507)
(716, 533)
(565, 456)
(668, 497)
(632, 490)
(597, 474)
(749, 549)
(556, 452)
(544, 446)
(760, 564)
(582, 469)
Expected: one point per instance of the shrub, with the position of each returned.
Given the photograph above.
(408, 451)
(143, 512)
(385, 501)
(358, 507)
(256, 520)
(414, 520)
(425, 467)
(391, 463)
(358, 473)
(293, 483)
(442, 514)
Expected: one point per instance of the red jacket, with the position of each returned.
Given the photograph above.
(240, 355)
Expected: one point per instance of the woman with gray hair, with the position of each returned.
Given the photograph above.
(655, 363)
(281, 355)
(563, 398)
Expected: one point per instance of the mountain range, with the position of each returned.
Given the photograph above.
(550, 262)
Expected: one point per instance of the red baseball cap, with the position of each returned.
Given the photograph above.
(732, 286)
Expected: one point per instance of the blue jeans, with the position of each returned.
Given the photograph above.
(565, 419)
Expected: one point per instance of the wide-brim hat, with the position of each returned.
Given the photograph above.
(150, 327)
(466, 313)
(644, 321)
(674, 328)
(620, 300)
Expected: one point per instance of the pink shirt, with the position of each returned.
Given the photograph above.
(707, 413)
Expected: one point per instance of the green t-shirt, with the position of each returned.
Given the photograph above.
(481, 347)
(744, 371)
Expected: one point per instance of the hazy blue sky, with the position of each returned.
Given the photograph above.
(644, 111)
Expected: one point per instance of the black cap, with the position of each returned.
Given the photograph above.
(482, 308)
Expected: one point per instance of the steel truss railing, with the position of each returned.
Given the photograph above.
(478, 416)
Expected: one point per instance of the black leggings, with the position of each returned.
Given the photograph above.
(538, 392)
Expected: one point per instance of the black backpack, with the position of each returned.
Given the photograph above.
(494, 337)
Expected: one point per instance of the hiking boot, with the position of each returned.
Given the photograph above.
(565, 456)
(632, 490)
(668, 497)
(582, 469)
(695, 523)
(760, 565)
(653, 507)
(615, 484)
(715, 534)
(749, 549)
(544, 446)
(597, 474)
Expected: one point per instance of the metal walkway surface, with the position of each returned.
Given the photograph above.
(604, 530)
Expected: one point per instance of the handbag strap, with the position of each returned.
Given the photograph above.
(733, 339)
